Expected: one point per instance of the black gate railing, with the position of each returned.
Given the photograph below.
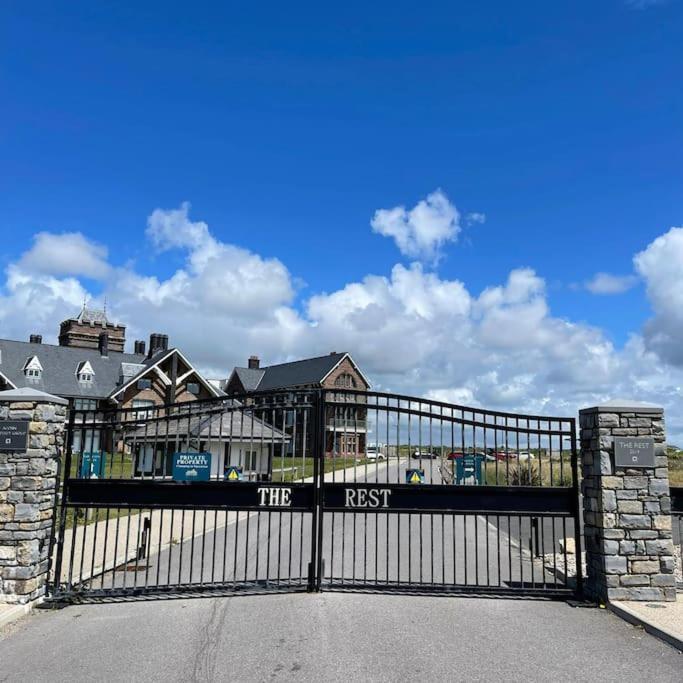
(450, 498)
(315, 490)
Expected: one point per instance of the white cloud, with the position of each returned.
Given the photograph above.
(661, 266)
(69, 253)
(411, 330)
(421, 231)
(475, 217)
(34, 302)
(605, 283)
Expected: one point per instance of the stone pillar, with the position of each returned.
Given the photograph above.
(28, 482)
(627, 511)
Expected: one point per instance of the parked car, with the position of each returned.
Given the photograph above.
(423, 455)
(525, 456)
(373, 453)
(480, 454)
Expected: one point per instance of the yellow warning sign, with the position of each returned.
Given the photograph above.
(233, 473)
(415, 476)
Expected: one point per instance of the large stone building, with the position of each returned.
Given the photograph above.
(91, 369)
(345, 426)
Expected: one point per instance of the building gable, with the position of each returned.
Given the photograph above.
(190, 385)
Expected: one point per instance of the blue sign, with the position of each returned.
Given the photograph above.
(415, 476)
(191, 466)
(233, 473)
(468, 469)
(92, 465)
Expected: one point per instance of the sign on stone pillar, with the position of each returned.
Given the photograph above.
(33, 426)
(626, 502)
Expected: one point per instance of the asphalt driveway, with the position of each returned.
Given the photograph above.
(332, 637)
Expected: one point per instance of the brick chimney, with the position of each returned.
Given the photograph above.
(157, 342)
(104, 344)
(36, 339)
(139, 347)
(254, 362)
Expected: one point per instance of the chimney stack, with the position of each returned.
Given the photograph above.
(157, 342)
(36, 339)
(104, 344)
(254, 362)
(139, 347)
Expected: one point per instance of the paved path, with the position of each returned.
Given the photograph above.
(332, 637)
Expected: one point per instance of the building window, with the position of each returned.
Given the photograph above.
(147, 408)
(145, 460)
(84, 372)
(250, 458)
(33, 369)
(345, 381)
(85, 404)
(86, 441)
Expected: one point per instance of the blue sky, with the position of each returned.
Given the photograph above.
(288, 126)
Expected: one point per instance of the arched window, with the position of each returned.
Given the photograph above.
(345, 381)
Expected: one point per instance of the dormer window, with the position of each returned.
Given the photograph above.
(84, 372)
(33, 369)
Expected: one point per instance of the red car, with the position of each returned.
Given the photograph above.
(455, 455)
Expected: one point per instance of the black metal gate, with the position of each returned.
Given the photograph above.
(216, 495)
(450, 499)
(314, 490)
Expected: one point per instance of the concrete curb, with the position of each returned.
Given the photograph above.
(13, 613)
(631, 617)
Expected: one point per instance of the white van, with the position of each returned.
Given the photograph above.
(373, 453)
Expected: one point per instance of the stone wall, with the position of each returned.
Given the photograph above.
(627, 512)
(28, 482)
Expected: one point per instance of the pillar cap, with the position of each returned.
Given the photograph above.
(622, 405)
(28, 394)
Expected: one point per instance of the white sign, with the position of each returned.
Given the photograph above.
(271, 496)
(367, 498)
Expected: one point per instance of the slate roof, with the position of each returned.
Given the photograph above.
(250, 377)
(92, 315)
(59, 368)
(284, 375)
(307, 371)
(234, 425)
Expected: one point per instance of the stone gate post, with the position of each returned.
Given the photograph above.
(31, 436)
(626, 503)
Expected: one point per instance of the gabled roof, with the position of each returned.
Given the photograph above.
(59, 365)
(28, 394)
(229, 422)
(250, 377)
(85, 366)
(297, 373)
(150, 363)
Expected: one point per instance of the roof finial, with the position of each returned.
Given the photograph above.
(105, 306)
